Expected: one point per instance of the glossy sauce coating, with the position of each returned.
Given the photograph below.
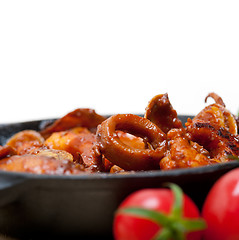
(123, 155)
(84, 142)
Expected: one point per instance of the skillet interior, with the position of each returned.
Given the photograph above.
(83, 206)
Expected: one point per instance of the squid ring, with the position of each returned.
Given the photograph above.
(127, 157)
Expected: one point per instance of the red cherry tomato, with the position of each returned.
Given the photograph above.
(131, 227)
(221, 208)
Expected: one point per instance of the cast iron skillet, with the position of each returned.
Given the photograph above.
(44, 206)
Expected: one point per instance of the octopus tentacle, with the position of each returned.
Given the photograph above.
(160, 112)
(216, 98)
(218, 141)
(125, 156)
(81, 117)
(217, 115)
(215, 128)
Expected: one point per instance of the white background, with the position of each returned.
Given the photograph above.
(114, 56)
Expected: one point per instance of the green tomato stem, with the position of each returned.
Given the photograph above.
(163, 234)
(173, 225)
(190, 225)
(177, 209)
(157, 217)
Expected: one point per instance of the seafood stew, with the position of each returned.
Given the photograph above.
(83, 142)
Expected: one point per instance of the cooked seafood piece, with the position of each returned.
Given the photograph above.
(217, 115)
(79, 142)
(39, 165)
(161, 112)
(220, 143)
(6, 151)
(81, 117)
(126, 156)
(183, 153)
(26, 141)
(59, 155)
(215, 128)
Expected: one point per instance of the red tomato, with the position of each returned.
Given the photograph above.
(221, 208)
(129, 227)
